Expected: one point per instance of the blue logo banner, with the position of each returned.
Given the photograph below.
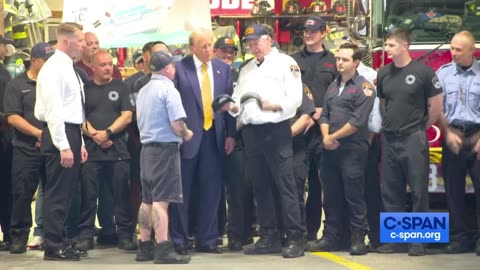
(412, 227)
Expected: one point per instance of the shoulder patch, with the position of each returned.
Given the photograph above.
(367, 89)
(295, 71)
(307, 91)
(436, 82)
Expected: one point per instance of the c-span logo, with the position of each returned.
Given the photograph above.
(414, 227)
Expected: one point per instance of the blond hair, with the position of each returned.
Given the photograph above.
(68, 28)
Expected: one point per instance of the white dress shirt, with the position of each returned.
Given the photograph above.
(59, 97)
(277, 80)
(198, 67)
(375, 118)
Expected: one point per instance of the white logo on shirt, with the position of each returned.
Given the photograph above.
(410, 79)
(113, 95)
(26, 91)
(435, 82)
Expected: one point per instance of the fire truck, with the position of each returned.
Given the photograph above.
(431, 23)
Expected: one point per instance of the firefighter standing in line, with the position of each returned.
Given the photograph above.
(344, 126)
(28, 164)
(460, 123)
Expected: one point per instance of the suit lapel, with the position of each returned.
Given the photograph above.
(217, 78)
(191, 72)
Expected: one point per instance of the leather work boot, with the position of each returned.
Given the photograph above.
(358, 246)
(145, 251)
(266, 244)
(324, 244)
(165, 254)
(295, 246)
(19, 241)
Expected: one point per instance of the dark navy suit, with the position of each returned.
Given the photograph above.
(201, 157)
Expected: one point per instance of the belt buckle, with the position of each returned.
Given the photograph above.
(397, 133)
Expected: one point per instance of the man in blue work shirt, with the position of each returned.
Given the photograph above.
(460, 123)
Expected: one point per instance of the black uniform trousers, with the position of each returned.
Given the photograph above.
(114, 175)
(455, 168)
(405, 160)
(269, 165)
(5, 182)
(343, 180)
(373, 197)
(300, 170)
(59, 185)
(239, 195)
(314, 203)
(27, 171)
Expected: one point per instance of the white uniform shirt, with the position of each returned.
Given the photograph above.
(276, 80)
(375, 118)
(59, 97)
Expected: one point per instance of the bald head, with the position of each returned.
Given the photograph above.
(462, 48)
(102, 67)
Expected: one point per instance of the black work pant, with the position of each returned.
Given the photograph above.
(114, 176)
(314, 203)
(27, 171)
(455, 168)
(5, 183)
(373, 196)
(343, 174)
(300, 170)
(239, 196)
(59, 186)
(269, 165)
(405, 160)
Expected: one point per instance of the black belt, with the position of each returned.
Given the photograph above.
(467, 128)
(160, 144)
(403, 132)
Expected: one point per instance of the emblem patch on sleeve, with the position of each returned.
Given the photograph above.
(367, 89)
(295, 71)
(436, 82)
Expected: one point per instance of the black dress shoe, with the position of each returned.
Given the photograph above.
(62, 254)
(181, 249)
(76, 251)
(209, 249)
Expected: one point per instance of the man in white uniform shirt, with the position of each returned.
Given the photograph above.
(270, 91)
(59, 104)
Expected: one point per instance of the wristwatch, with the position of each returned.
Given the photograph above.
(109, 132)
